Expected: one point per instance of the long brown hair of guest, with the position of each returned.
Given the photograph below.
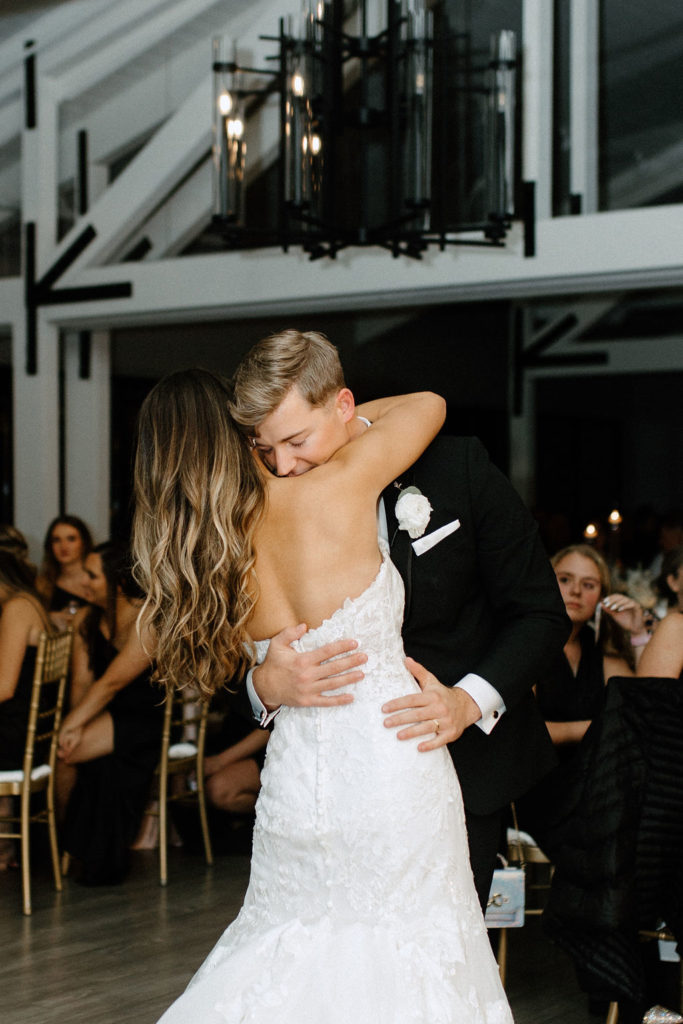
(18, 577)
(116, 567)
(199, 495)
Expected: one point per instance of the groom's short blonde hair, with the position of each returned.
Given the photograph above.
(305, 359)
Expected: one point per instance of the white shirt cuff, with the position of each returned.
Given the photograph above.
(487, 699)
(261, 713)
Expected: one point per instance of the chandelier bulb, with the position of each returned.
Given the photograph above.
(235, 128)
(298, 83)
(225, 103)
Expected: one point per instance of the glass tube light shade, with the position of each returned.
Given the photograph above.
(237, 158)
(501, 125)
(229, 143)
(318, 30)
(314, 15)
(303, 141)
(295, 132)
(418, 84)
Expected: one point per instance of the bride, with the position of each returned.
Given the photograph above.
(361, 907)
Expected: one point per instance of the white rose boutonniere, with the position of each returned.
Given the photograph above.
(413, 511)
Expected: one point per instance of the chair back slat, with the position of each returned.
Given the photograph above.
(48, 689)
(185, 718)
(47, 696)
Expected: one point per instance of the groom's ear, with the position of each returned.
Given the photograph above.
(346, 404)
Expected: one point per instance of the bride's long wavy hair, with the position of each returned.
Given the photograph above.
(199, 496)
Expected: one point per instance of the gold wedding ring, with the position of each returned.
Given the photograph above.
(436, 725)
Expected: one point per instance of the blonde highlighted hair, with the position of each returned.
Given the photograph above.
(199, 496)
(279, 362)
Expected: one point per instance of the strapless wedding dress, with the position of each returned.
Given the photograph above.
(361, 907)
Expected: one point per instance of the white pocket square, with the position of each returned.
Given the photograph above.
(423, 544)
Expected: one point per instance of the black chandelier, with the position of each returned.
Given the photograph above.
(377, 144)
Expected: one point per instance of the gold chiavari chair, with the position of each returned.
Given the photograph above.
(182, 759)
(40, 756)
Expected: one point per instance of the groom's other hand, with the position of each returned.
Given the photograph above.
(450, 706)
(302, 680)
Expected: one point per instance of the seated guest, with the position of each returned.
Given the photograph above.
(572, 693)
(233, 776)
(13, 540)
(61, 581)
(22, 620)
(235, 752)
(113, 732)
(670, 538)
(663, 655)
(670, 580)
(610, 820)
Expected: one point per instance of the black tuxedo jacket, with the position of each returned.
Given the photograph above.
(483, 600)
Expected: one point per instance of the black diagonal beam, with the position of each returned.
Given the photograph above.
(69, 256)
(548, 337)
(42, 292)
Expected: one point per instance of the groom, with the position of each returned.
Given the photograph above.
(483, 615)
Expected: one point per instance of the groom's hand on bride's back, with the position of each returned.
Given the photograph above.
(303, 680)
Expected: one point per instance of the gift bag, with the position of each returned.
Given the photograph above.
(505, 906)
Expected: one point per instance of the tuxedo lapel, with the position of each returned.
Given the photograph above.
(399, 542)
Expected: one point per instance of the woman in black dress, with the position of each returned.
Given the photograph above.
(113, 733)
(664, 655)
(22, 620)
(572, 693)
(61, 581)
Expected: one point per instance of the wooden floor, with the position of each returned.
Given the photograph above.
(120, 955)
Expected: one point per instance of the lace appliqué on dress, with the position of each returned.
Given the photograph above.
(360, 907)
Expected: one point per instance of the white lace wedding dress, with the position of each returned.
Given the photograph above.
(360, 907)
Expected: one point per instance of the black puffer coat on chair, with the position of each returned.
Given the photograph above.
(617, 842)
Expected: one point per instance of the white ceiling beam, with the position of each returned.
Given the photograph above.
(48, 30)
(166, 157)
(11, 120)
(650, 177)
(189, 209)
(10, 189)
(615, 251)
(179, 220)
(584, 77)
(109, 133)
(121, 27)
(147, 180)
(537, 98)
(11, 300)
(141, 33)
(651, 355)
(39, 175)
